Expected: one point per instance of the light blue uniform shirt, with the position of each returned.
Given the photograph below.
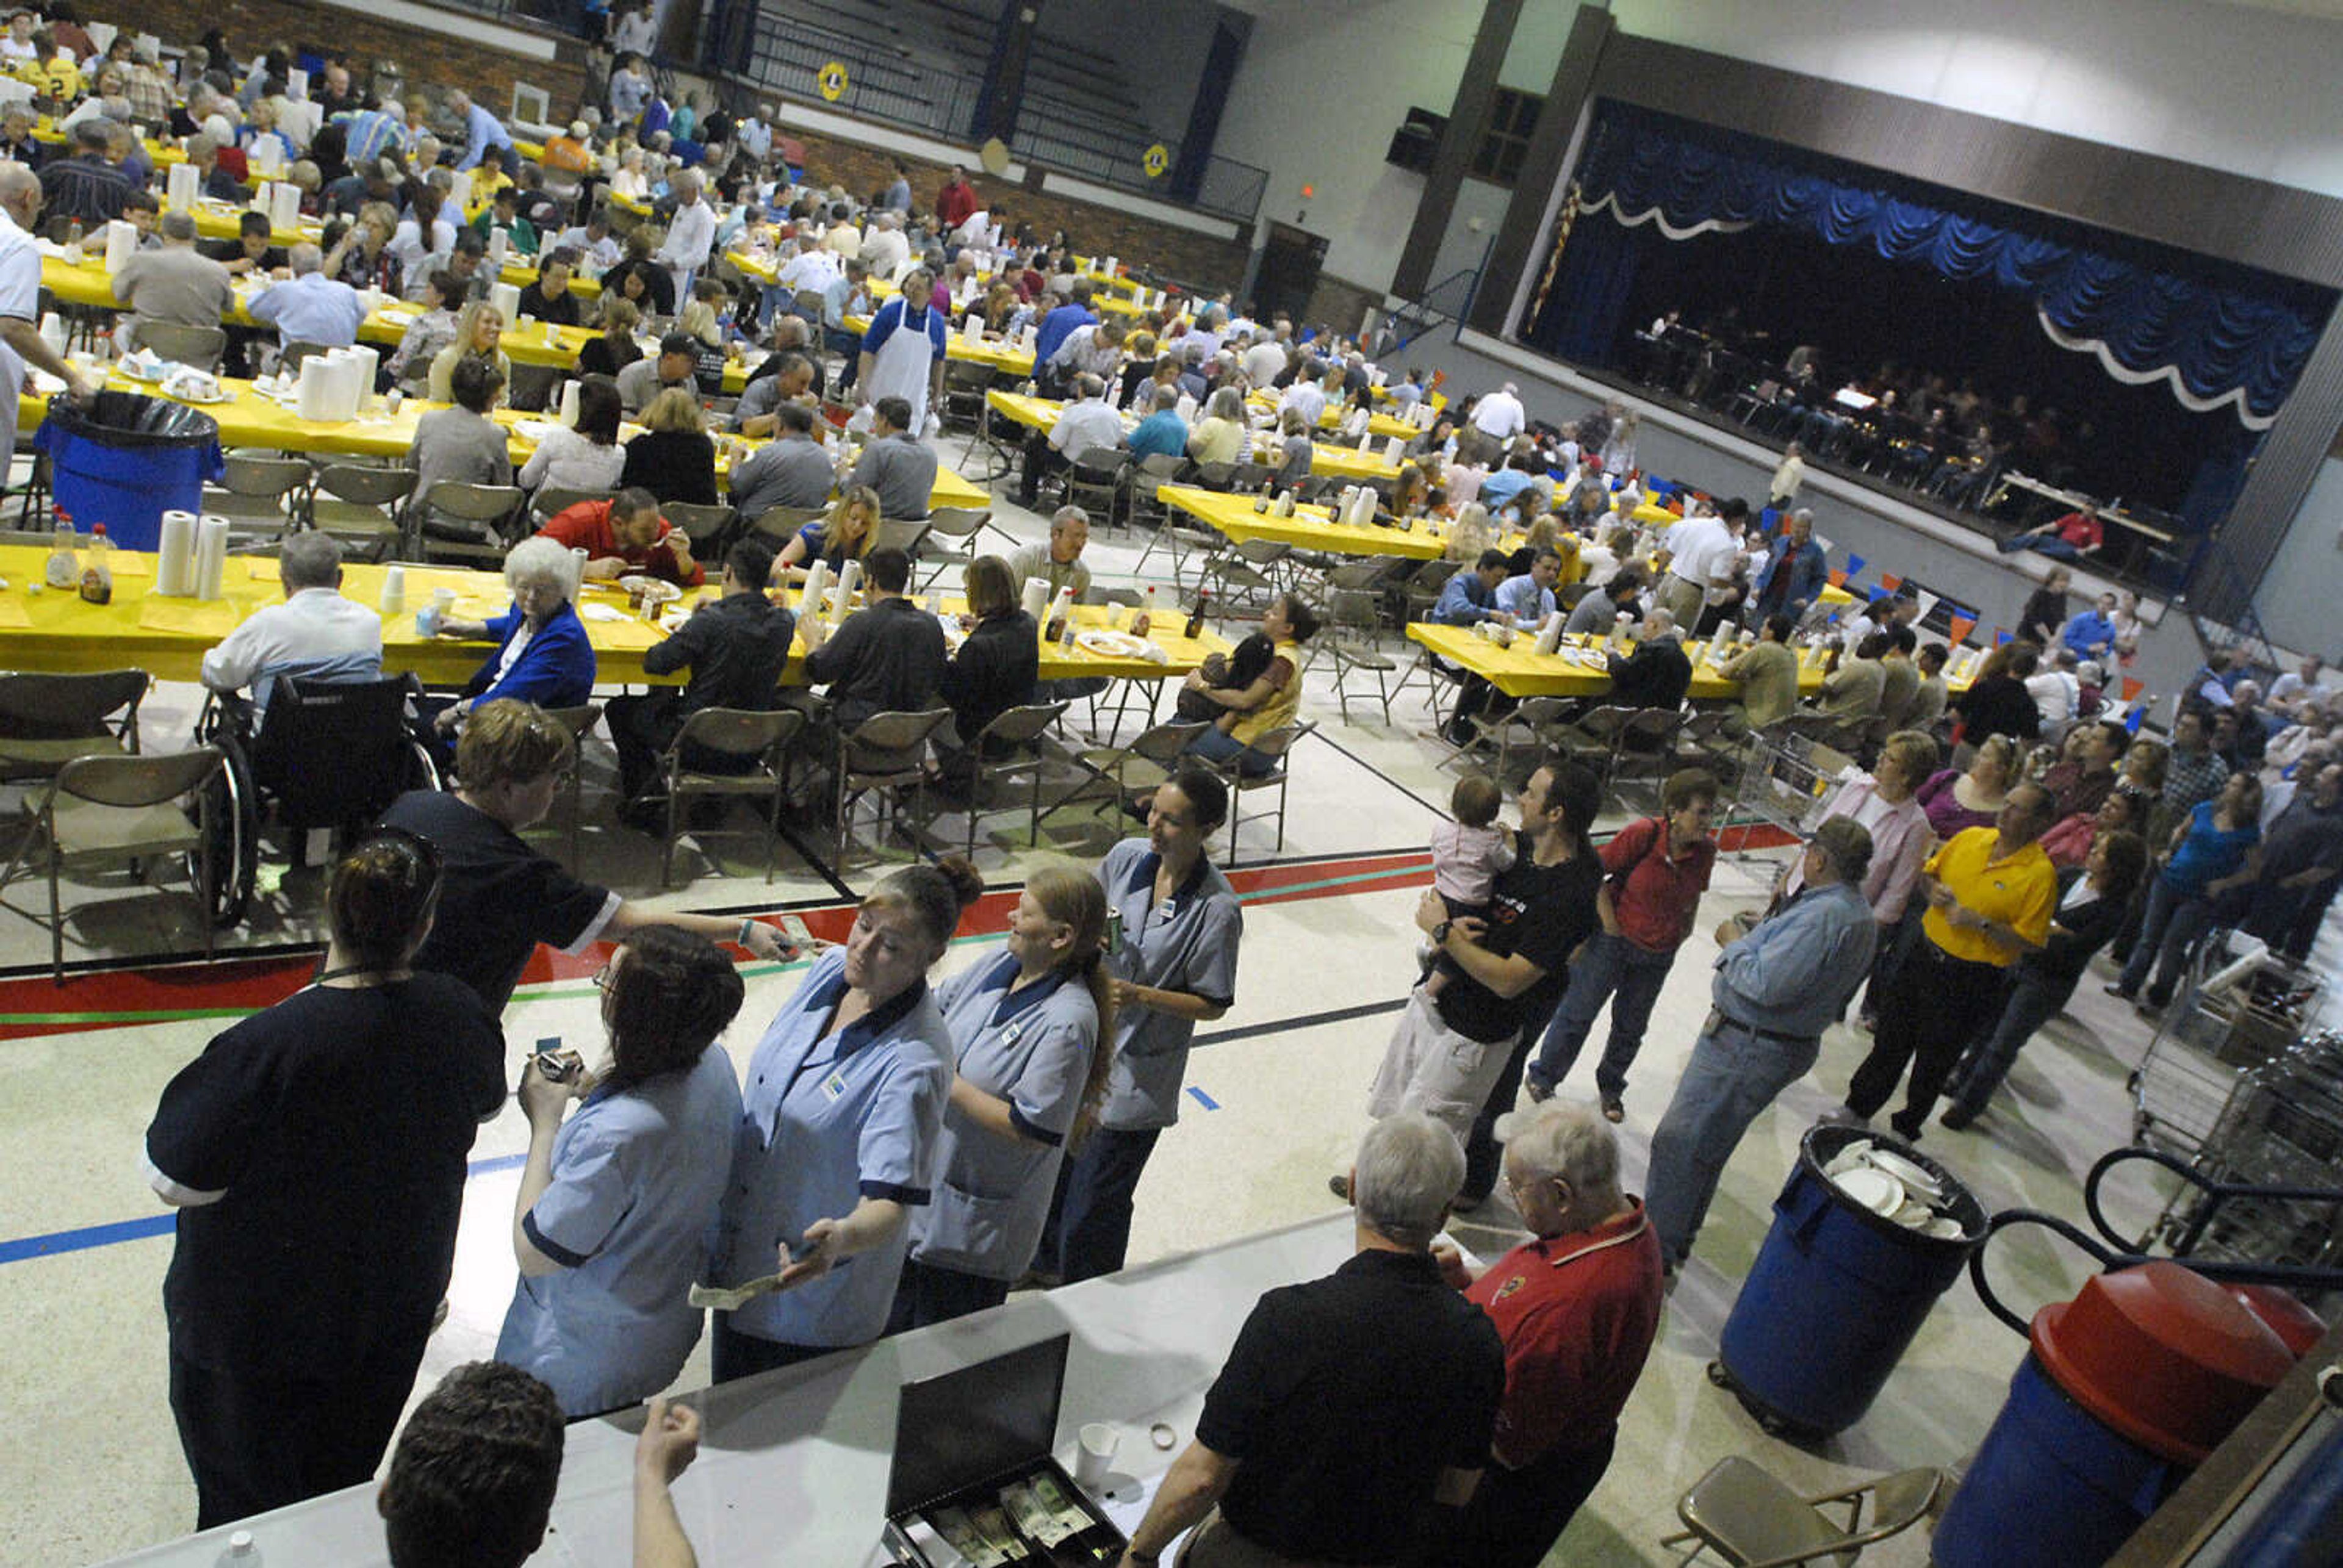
(1188, 943)
(1793, 973)
(482, 131)
(638, 1177)
(1522, 598)
(826, 1123)
(1033, 1050)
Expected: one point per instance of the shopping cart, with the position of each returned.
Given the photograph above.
(1785, 779)
(2243, 1006)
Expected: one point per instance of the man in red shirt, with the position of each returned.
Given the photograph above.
(2069, 538)
(955, 201)
(625, 535)
(1577, 1308)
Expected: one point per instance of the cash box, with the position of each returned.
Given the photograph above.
(973, 1484)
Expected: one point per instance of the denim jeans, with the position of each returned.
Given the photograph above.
(2168, 932)
(1609, 965)
(1218, 745)
(2034, 1001)
(1732, 1076)
(2050, 545)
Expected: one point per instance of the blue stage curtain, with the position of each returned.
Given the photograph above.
(2223, 330)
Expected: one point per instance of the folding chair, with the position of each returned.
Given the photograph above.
(358, 504)
(1138, 768)
(463, 522)
(1093, 481)
(1017, 735)
(708, 528)
(754, 746)
(200, 346)
(49, 720)
(1277, 744)
(886, 752)
(580, 721)
(1356, 630)
(258, 495)
(1752, 1519)
(958, 527)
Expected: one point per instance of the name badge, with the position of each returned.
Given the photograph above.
(1009, 1036)
(833, 1086)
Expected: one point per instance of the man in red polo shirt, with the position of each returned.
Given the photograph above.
(1577, 1308)
(2067, 539)
(625, 535)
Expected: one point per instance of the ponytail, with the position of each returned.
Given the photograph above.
(1073, 896)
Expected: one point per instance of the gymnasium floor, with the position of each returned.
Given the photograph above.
(1278, 1103)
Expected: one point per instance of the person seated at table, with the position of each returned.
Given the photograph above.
(503, 212)
(896, 463)
(1059, 559)
(674, 458)
(642, 278)
(1657, 675)
(734, 646)
(85, 184)
(1221, 435)
(250, 251)
(614, 348)
(425, 241)
(592, 240)
(419, 346)
(461, 444)
(316, 634)
(1086, 423)
(1270, 702)
(1297, 448)
(1767, 672)
(543, 655)
(1469, 596)
(479, 334)
(1162, 433)
(1597, 613)
(310, 308)
(586, 457)
(1528, 599)
(789, 380)
(262, 142)
(624, 536)
(1852, 693)
(676, 368)
(17, 143)
(549, 298)
(791, 470)
(888, 658)
(176, 284)
(998, 668)
(362, 256)
(2068, 538)
(849, 532)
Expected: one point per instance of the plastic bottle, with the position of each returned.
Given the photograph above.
(1062, 617)
(65, 565)
(73, 243)
(1146, 615)
(241, 1552)
(1196, 621)
(97, 576)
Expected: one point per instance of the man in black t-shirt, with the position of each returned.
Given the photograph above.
(1503, 973)
(501, 897)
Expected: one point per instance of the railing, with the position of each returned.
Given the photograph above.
(1442, 304)
(787, 56)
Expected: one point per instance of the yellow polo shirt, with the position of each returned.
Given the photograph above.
(2018, 890)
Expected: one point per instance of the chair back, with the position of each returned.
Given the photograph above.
(68, 706)
(147, 779)
(782, 523)
(1021, 726)
(200, 346)
(903, 534)
(702, 525)
(1099, 465)
(487, 504)
(739, 732)
(263, 478)
(290, 355)
(810, 303)
(957, 522)
(892, 742)
(1216, 476)
(551, 499)
(366, 484)
(1276, 743)
(1162, 465)
(362, 725)
(1262, 552)
(1161, 743)
(1353, 609)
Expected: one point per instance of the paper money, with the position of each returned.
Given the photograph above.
(993, 1527)
(732, 1300)
(1034, 1517)
(1063, 1509)
(956, 1527)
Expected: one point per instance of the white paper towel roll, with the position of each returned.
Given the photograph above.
(841, 597)
(175, 556)
(367, 359)
(312, 394)
(570, 403)
(211, 556)
(181, 185)
(121, 244)
(1035, 599)
(972, 327)
(506, 297)
(1394, 448)
(499, 247)
(459, 193)
(284, 207)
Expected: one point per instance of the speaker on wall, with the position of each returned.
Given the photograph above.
(1416, 140)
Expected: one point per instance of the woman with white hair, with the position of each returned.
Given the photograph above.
(542, 652)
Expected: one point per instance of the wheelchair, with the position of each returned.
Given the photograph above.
(326, 754)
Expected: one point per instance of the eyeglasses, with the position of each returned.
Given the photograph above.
(606, 974)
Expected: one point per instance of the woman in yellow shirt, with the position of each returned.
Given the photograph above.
(1268, 702)
(51, 69)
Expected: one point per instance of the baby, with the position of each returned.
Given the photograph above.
(1466, 856)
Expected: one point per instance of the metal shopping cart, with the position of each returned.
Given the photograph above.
(2277, 1144)
(1785, 779)
(2243, 1006)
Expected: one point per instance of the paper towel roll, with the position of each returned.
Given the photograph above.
(1035, 599)
(175, 554)
(284, 207)
(121, 244)
(181, 185)
(459, 193)
(499, 247)
(1393, 449)
(312, 394)
(972, 328)
(570, 403)
(366, 360)
(841, 597)
(349, 383)
(506, 297)
(211, 557)
(817, 585)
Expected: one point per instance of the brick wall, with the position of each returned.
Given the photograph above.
(1179, 254)
(434, 60)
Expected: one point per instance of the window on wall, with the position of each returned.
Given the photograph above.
(1505, 141)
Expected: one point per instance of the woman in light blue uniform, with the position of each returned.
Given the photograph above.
(617, 1205)
(844, 1107)
(1026, 1027)
(1176, 968)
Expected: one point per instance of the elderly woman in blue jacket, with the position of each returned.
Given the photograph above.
(542, 652)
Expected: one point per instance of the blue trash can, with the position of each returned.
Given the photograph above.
(2053, 1487)
(1836, 1293)
(124, 459)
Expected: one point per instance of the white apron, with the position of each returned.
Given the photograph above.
(904, 366)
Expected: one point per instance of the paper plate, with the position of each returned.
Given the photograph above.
(1853, 1156)
(655, 591)
(1912, 1176)
(1944, 1228)
(1112, 644)
(1874, 1189)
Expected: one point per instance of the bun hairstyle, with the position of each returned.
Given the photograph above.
(381, 900)
(1073, 896)
(936, 894)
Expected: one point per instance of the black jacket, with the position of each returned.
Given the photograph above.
(735, 650)
(1658, 675)
(994, 672)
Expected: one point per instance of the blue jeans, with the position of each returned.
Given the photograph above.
(2050, 545)
(2034, 1001)
(2168, 931)
(1218, 745)
(1732, 1076)
(1608, 965)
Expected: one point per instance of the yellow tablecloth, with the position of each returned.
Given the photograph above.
(1381, 426)
(1518, 671)
(1009, 359)
(55, 631)
(1347, 462)
(1310, 528)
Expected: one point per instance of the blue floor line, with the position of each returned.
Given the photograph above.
(1202, 1099)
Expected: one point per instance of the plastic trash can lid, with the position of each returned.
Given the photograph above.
(2300, 1328)
(2162, 1355)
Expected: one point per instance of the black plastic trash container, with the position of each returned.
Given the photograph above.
(125, 458)
(1836, 1293)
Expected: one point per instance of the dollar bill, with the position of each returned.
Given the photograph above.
(1034, 1517)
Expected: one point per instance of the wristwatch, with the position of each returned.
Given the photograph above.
(1440, 933)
